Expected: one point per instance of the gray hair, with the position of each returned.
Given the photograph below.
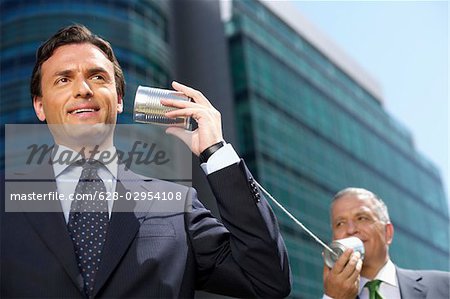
(380, 207)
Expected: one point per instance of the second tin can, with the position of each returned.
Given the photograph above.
(339, 247)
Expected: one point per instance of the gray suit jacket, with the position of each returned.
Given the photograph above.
(419, 284)
(153, 249)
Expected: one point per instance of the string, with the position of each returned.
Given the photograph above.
(310, 233)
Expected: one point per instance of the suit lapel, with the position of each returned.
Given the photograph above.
(124, 225)
(410, 286)
(52, 229)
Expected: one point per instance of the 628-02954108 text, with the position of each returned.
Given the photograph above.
(50, 196)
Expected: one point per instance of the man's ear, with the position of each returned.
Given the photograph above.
(389, 233)
(119, 105)
(39, 108)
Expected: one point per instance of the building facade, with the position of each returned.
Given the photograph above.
(137, 30)
(310, 124)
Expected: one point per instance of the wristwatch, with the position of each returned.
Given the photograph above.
(204, 156)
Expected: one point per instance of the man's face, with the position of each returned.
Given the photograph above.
(78, 87)
(355, 215)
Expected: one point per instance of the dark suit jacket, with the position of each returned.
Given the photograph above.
(423, 284)
(152, 250)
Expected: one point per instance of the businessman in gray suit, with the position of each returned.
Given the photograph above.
(360, 213)
(123, 248)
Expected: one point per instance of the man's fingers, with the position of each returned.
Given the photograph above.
(359, 265)
(342, 280)
(196, 95)
(194, 112)
(342, 261)
(355, 274)
(178, 104)
(350, 267)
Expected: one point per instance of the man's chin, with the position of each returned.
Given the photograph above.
(76, 135)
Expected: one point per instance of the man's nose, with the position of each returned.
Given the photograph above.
(82, 89)
(352, 228)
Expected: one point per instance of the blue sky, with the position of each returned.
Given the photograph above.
(404, 46)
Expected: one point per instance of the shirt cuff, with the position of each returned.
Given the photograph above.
(223, 157)
(326, 297)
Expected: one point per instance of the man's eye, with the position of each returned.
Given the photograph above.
(363, 218)
(339, 224)
(98, 77)
(62, 80)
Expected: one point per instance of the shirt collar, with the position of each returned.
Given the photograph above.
(387, 274)
(68, 156)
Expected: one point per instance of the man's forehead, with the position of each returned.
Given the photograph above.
(353, 203)
(76, 55)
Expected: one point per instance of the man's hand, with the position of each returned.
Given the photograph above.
(342, 281)
(209, 129)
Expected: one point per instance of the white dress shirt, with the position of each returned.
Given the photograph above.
(67, 176)
(223, 157)
(389, 284)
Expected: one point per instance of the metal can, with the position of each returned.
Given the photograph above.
(339, 247)
(148, 108)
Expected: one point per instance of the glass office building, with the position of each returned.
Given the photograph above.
(137, 30)
(309, 128)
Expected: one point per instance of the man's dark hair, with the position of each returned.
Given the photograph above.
(74, 34)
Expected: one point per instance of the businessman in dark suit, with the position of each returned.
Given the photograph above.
(360, 213)
(129, 249)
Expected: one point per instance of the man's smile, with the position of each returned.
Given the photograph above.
(84, 110)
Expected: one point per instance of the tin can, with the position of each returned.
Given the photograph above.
(339, 247)
(148, 108)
